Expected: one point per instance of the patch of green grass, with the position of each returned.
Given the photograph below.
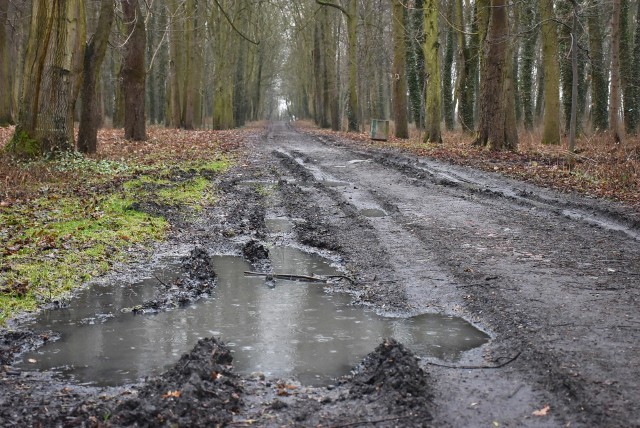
(61, 239)
(49, 259)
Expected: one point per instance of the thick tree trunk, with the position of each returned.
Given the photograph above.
(399, 71)
(50, 78)
(133, 73)
(93, 57)
(493, 130)
(5, 76)
(432, 62)
(551, 69)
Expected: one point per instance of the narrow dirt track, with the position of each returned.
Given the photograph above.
(554, 279)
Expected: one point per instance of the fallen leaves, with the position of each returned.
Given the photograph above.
(283, 390)
(172, 394)
(542, 412)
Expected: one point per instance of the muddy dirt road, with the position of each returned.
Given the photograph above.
(553, 279)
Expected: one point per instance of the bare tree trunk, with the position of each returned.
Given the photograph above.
(614, 101)
(93, 57)
(5, 76)
(432, 62)
(493, 131)
(399, 71)
(133, 72)
(574, 82)
(50, 78)
(599, 84)
(551, 67)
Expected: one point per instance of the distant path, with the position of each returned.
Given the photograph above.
(547, 276)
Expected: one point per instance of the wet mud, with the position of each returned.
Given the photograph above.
(556, 290)
(197, 281)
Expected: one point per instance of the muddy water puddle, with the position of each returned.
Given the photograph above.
(282, 328)
(373, 212)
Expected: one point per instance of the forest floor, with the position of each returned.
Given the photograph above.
(552, 277)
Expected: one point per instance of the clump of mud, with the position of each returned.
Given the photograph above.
(198, 265)
(198, 281)
(13, 343)
(199, 390)
(392, 372)
(254, 251)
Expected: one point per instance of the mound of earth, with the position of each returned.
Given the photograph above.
(199, 390)
(254, 251)
(199, 281)
(392, 372)
(16, 342)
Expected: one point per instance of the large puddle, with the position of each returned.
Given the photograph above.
(290, 329)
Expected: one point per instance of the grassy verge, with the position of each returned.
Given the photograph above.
(66, 220)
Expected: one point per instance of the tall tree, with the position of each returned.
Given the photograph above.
(5, 75)
(466, 67)
(626, 66)
(50, 78)
(351, 15)
(634, 96)
(551, 69)
(494, 131)
(399, 71)
(133, 72)
(433, 103)
(415, 61)
(93, 56)
(614, 102)
(447, 70)
(525, 82)
(599, 83)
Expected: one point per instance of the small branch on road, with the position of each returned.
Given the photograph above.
(512, 359)
(292, 277)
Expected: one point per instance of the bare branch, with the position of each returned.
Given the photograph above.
(334, 5)
(233, 26)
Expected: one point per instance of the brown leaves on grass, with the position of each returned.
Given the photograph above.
(600, 167)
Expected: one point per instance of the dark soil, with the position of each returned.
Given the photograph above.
(198, 281)
(200, 390)
(552, 277)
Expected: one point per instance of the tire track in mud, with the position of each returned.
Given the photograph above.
(517, 262)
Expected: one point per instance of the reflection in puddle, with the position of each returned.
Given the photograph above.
(294, 329)
(373, 212)
(279, 225)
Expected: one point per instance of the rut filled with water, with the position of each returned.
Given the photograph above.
(281, 328)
